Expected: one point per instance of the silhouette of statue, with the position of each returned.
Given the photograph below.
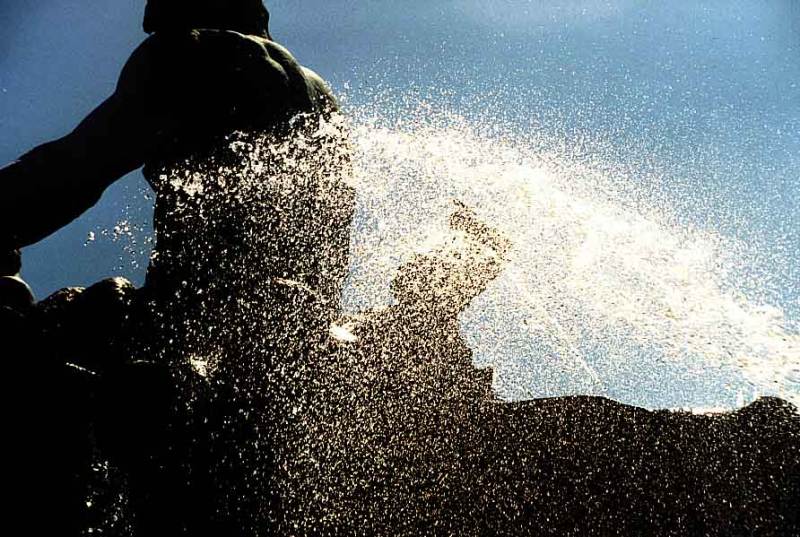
(403, 437)
(216, 391)
(180, 91)
(421, 330)
(202, 93)
(246, 154)
(397, 390)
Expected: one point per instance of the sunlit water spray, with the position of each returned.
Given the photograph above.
(602, 286)
(600, 290)
(605, 288)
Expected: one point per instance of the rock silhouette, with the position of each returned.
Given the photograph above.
(228, 396)
(405, 438)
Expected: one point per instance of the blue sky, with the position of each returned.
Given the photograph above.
(706, 93)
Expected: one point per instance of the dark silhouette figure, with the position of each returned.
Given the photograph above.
(398, 396)
(215, 392)
(420, 332)
(181, 90)
(203, 97)
(403, 436)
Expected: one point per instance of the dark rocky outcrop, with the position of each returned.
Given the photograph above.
(385, 430)
(408, 440)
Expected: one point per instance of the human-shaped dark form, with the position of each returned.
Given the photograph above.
(243, 149)
(421, 330)
(208, 69)
(400, 388)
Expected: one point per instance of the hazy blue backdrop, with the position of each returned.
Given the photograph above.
(707, 92)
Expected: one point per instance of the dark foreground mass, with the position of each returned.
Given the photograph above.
(361, 444)
(229, 397)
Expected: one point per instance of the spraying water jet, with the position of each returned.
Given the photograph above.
(238, 393)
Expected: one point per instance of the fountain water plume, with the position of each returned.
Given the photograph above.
(600, 277)
(606, 281)
(580, 281)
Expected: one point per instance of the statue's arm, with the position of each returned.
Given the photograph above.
(51, 185)
(175, 82)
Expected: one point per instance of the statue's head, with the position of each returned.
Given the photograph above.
(246, 16)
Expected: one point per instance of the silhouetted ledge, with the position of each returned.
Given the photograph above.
(562, 466)
(398, 436)
(592, 466)
(600, 467)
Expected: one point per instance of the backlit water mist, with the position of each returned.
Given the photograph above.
(608, 292)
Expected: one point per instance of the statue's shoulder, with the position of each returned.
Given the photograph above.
(317, 87)
(209, 49)
(161, 57)
(220, 55)
(321, 90)
(214, 47)
(176, 48)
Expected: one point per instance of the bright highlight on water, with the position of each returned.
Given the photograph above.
(598, 280)
(605, 288)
